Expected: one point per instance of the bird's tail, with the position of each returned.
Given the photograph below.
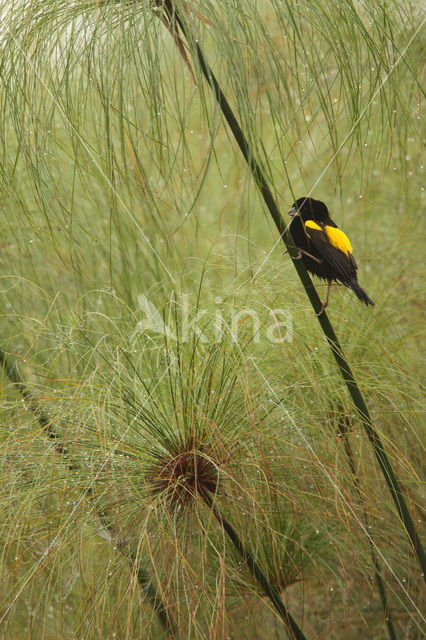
(360, 293)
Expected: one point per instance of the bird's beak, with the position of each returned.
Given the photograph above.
(292, 212)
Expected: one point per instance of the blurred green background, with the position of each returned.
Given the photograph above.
(123, 193)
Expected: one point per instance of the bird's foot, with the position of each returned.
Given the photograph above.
(302, 252)
(325, 303)
(323, 306)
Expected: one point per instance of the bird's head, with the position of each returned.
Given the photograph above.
(309, 209)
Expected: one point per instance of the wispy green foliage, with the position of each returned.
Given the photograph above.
(119, 186)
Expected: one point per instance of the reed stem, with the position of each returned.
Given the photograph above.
(354, 391)
(293, 629)
(376, 563)
(48, 426)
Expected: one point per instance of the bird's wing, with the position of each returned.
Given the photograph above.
(334, 246)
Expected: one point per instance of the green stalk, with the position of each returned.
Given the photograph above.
(294, 631)
(377, 569)
(145, 582)
(326, 326)
(44, 420)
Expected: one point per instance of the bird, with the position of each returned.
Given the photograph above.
(324, 249)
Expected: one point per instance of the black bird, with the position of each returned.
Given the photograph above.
(324, 248)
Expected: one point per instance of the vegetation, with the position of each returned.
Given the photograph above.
(180, 456)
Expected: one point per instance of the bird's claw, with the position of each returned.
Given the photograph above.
(321, 311)
(302, 252)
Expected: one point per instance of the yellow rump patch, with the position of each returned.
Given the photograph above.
(335, 236)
